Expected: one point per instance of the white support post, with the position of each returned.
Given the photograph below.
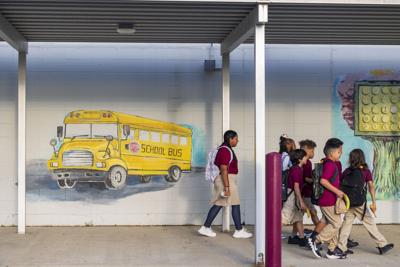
(226, 223)
(21, 140)
(259, 120)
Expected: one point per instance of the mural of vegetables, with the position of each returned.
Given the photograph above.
(370, 105)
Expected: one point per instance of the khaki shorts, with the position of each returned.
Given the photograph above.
(219, 200)
(309, 205)
(290, 212)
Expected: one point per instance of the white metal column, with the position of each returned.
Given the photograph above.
(21, 140)
(225, 122)
(259, 120)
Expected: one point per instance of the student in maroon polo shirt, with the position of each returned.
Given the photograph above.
(226, 192)
(294, 207)
(330, 179)
(357, 163)
(309, 146)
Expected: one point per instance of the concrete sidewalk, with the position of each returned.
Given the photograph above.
(164, 246)
(365, 255)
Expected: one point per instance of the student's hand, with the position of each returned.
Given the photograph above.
(303, 206)
(227, 193)
(340, 194)
(373, 207)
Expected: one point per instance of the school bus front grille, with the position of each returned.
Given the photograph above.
(76, 158)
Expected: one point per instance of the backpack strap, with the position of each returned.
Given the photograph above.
(335, 174)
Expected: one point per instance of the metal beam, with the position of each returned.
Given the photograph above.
(9, 34)
(259, 120)
(21, 141)
(226, 225)
(244, 30)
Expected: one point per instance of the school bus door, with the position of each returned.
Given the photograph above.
(130, 148)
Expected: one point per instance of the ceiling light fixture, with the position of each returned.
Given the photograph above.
(126, 28)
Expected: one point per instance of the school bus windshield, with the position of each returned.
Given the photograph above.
(98, 130)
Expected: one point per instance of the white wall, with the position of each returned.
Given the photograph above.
(165, 82)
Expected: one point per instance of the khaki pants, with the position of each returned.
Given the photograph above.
(330, 233)
(368, 222)
(290, 211)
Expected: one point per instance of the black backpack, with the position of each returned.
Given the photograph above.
(318, 189)
(354, 186)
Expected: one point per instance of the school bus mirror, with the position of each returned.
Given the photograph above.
(53, 142)
(60, 131)
(109, 138)
(127, 130)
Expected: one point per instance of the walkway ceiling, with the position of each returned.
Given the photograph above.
(290, 22)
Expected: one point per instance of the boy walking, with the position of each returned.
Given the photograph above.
(330, 180)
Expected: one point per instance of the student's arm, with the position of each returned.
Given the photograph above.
(297, 191)
(371, 189)
(224, 173)
(325, 183)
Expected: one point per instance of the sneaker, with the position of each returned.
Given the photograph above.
(307, 235)
(337, 253)
(242, 234)
(351, 243)
(207, 232)
(385, 249)
(293, 240)
(314, 247)
(302, 242)
(349, 251)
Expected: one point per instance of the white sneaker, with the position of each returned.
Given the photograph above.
(242, 234)
(206, 231)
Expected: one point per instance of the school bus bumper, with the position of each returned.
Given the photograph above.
(81, 175)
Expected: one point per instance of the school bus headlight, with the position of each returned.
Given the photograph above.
(54, 164)
(100, 164)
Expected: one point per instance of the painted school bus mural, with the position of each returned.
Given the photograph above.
(107, 146)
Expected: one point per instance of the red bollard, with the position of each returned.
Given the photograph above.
(273, 198)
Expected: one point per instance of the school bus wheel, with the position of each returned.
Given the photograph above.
(145, 179)
(66, 183)
(116, 178)
(174, 174)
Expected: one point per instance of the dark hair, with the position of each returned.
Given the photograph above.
(307, 143)
(332, 143)
(284, 143)
(297, 155)
(228, 135)
(357, 159)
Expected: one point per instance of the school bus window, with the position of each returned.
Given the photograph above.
(132, 134)
(183, 141)
(165, 138)
(155, 137)
(144, 135)
(174, 139)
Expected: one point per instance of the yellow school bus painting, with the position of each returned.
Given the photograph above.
(107, 146)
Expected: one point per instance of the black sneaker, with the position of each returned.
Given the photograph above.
(303, 242)
(349, 251)
(314, 247)
(336, 254)
(385, 249)
(351, 243)
(293, 240)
